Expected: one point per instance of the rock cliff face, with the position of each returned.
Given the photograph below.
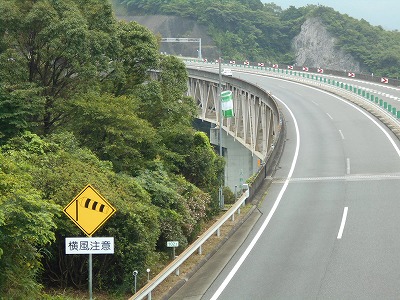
(315, 47)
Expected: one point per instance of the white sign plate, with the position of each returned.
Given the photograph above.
(172, 244)
(89, 245)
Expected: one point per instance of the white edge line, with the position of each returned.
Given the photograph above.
(271, 213)
(339, 236)
(348, 103)
(341, 134)
(348, 166)
(264, 225)
(329, 116)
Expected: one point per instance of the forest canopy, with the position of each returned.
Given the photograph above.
(78, 106)
(256, 31)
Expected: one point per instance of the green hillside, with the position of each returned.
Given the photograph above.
(78, 107)
(249, 29)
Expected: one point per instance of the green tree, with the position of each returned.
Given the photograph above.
(57, 47)
(112, 130)
(135, 53)
(58, 169)
(18, 105)
(26, 226)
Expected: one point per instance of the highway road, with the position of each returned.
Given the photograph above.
(330, 224)
(388, 93)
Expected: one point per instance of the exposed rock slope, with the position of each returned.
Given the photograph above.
(315, 47)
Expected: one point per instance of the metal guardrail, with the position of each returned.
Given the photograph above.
(272, 156)
(176, 263)
(295, 68)
(361, 96)
(270, 163)
(388, 114)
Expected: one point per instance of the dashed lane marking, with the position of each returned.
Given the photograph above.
(353, 177)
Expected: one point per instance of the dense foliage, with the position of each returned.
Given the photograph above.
(249, 29)
(376, 48)
(78, 106)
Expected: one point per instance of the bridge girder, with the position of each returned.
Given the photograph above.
(256, 116)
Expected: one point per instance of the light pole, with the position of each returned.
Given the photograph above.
(148, 279)
(135, 273)
(220, 194)
(235, 192)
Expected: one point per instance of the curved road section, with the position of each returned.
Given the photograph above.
(329, 226)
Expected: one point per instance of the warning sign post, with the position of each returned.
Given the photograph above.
(89, 210)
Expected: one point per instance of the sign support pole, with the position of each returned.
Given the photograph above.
(220, 193)
(90, 277)
(89, 210)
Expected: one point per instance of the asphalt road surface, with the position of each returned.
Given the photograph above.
(330, 223)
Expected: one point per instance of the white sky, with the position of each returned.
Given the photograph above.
(385, 13)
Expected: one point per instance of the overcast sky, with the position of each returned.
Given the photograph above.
(377, 12)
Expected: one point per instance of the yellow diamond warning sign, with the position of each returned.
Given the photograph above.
(89, 210)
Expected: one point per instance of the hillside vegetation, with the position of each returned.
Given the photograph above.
(249, 29)
(78, 107)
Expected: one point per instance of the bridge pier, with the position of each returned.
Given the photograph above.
(240, 163)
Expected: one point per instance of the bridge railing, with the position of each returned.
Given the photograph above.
(195, 246)
(268, 167)
(372, 100)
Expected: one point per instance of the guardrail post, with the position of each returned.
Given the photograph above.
(394, 111)
(218, 232)
(398, 114)
(233, 217)
(380, 102)
(385, 105)
(200, 251)
(389, 107)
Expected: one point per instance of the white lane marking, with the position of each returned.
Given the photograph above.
(340, 233)
(341, 134)
(315, 103)
(348, 103)
(348, 166)
(271, 213)
(371, 119)
(329, 116)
